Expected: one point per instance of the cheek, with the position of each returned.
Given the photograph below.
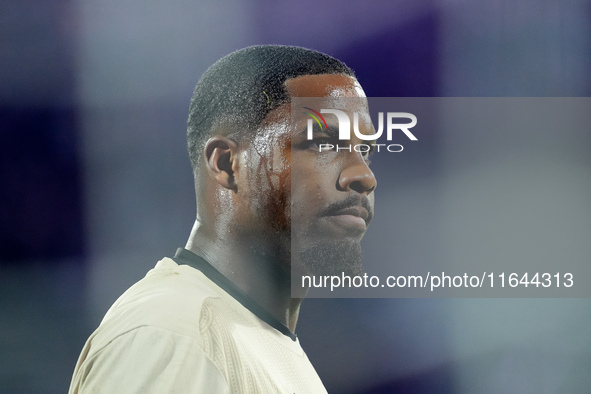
(270, 188)
(279, 171)
(312, 183)
(280, 200)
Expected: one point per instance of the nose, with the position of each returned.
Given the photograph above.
(357, 176)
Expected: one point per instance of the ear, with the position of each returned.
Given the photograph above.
(220, 155)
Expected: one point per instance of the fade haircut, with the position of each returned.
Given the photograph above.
(239, 90)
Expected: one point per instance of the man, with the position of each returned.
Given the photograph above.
(220, 317)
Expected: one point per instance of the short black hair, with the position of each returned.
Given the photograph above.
(240, 89)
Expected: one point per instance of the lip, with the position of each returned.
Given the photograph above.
(352, 217)
(349, 221)
(355, 211)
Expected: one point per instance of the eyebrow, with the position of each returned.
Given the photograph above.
(332, 131)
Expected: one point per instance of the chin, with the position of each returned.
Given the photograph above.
(333, 258)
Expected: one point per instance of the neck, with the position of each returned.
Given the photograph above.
(256, 268)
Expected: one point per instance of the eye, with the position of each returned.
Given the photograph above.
(321, 144)
(367, 154)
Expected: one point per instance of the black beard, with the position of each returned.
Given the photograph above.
(333, 258)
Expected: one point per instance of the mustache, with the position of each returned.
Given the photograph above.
(349, 202)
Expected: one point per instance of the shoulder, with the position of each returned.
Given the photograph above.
(147, 360)
(149, 340)
(170, 297)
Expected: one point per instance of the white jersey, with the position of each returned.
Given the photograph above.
(176, 331)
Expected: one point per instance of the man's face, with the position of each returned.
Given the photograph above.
(319, 202)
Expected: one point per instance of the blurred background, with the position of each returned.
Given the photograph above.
(96, 185)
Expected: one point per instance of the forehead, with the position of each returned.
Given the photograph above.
(333, 90)
(330, 86)
(324, 85)
(274, 136)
